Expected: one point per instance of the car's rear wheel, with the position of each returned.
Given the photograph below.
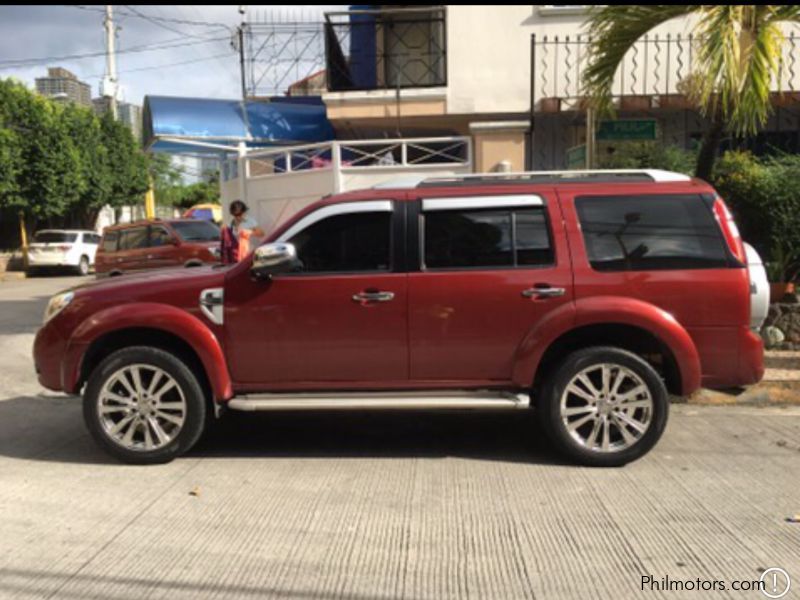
(83, 266)
(144, 405)
(604, 406)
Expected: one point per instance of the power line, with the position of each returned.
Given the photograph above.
(157, 23)
(24, 62)
(175, 64)
(135, 13)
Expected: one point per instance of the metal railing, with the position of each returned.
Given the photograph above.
(362, 155)
(386, 48)
(654, 66)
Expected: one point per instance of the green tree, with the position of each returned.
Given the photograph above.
(46, 175)
(94, 170)
(201, 192)
(166, 178)
(738, 54)
(127, 163)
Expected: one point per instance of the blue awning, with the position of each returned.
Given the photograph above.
(170, 124)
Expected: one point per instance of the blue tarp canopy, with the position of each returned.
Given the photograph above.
(168, 121)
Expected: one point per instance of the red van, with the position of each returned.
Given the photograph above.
(585, 296)
(157, 244)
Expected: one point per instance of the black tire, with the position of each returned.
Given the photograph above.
(549, 406)
(83, 266)
(196, 405)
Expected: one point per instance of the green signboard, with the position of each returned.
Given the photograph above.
(627, 129)
(576, 157)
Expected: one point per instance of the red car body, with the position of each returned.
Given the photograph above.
(156, 244)
(460, 329)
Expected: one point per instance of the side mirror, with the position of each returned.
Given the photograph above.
(271, 259)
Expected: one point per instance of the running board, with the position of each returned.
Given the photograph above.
(484, 400)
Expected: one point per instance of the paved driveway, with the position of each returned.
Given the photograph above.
(381, 506)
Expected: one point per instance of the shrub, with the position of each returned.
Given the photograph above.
(764, 195)
(645, 155)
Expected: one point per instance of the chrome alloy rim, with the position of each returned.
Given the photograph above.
(141, 407)
(606, 408)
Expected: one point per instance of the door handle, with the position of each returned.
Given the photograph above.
(363, 297)
(543, 291)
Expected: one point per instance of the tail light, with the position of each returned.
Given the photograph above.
(729, 230)
(64, 247)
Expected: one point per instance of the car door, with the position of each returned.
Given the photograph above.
(134, 242)
(339, 320)
(162, 248)
(491, 267)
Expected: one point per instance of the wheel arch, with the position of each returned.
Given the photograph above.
(619, 335)
(168, 328)
(627, 323)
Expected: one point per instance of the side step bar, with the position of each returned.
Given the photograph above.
(484, 400)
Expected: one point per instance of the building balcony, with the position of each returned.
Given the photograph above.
(656, 73)
(386, 49)
(278, 182)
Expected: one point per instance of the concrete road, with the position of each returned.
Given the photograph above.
(382, 506)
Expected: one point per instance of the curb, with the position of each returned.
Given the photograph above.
(767, 393)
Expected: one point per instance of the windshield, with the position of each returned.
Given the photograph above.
(196, 231)
(54, 237)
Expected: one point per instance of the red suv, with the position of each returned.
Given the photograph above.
(588, 297)
(156, 244)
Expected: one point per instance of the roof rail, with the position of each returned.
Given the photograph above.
(578, 176)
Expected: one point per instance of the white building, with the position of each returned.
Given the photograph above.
(462, 88)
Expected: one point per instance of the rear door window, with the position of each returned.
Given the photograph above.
(133, 238)
(503, 237)
(643, 233)
(55, 237)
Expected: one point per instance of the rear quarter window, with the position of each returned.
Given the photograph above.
(110, 241)
(643, 233)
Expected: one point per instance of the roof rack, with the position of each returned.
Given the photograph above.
(585, 176)
(527, 177)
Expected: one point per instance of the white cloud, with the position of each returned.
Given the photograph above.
(28, 32)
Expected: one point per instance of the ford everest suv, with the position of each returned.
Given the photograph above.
(588, 297)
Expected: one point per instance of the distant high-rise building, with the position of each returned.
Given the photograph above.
(129, 114)
(64, 86)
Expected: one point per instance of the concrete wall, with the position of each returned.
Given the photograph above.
(489, 55)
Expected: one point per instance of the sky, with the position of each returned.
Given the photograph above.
(179, 33)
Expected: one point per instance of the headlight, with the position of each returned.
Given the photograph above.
(57, 304)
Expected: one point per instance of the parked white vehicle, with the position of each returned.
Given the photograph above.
(68, 248)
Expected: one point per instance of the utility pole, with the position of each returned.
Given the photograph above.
(110, 80)
(242, 71)
(242, 146)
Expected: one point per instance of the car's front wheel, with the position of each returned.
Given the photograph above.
(144, 405)
(604, 406)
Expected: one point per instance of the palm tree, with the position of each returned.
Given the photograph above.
(738, 55)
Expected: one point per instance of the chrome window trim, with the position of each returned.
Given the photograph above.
(332, 210)
(482, 202)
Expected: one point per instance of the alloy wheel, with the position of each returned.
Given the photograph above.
(141, 407)
(606, 408)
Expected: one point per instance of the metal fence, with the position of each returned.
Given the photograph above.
(363, 155)
(654, 66)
